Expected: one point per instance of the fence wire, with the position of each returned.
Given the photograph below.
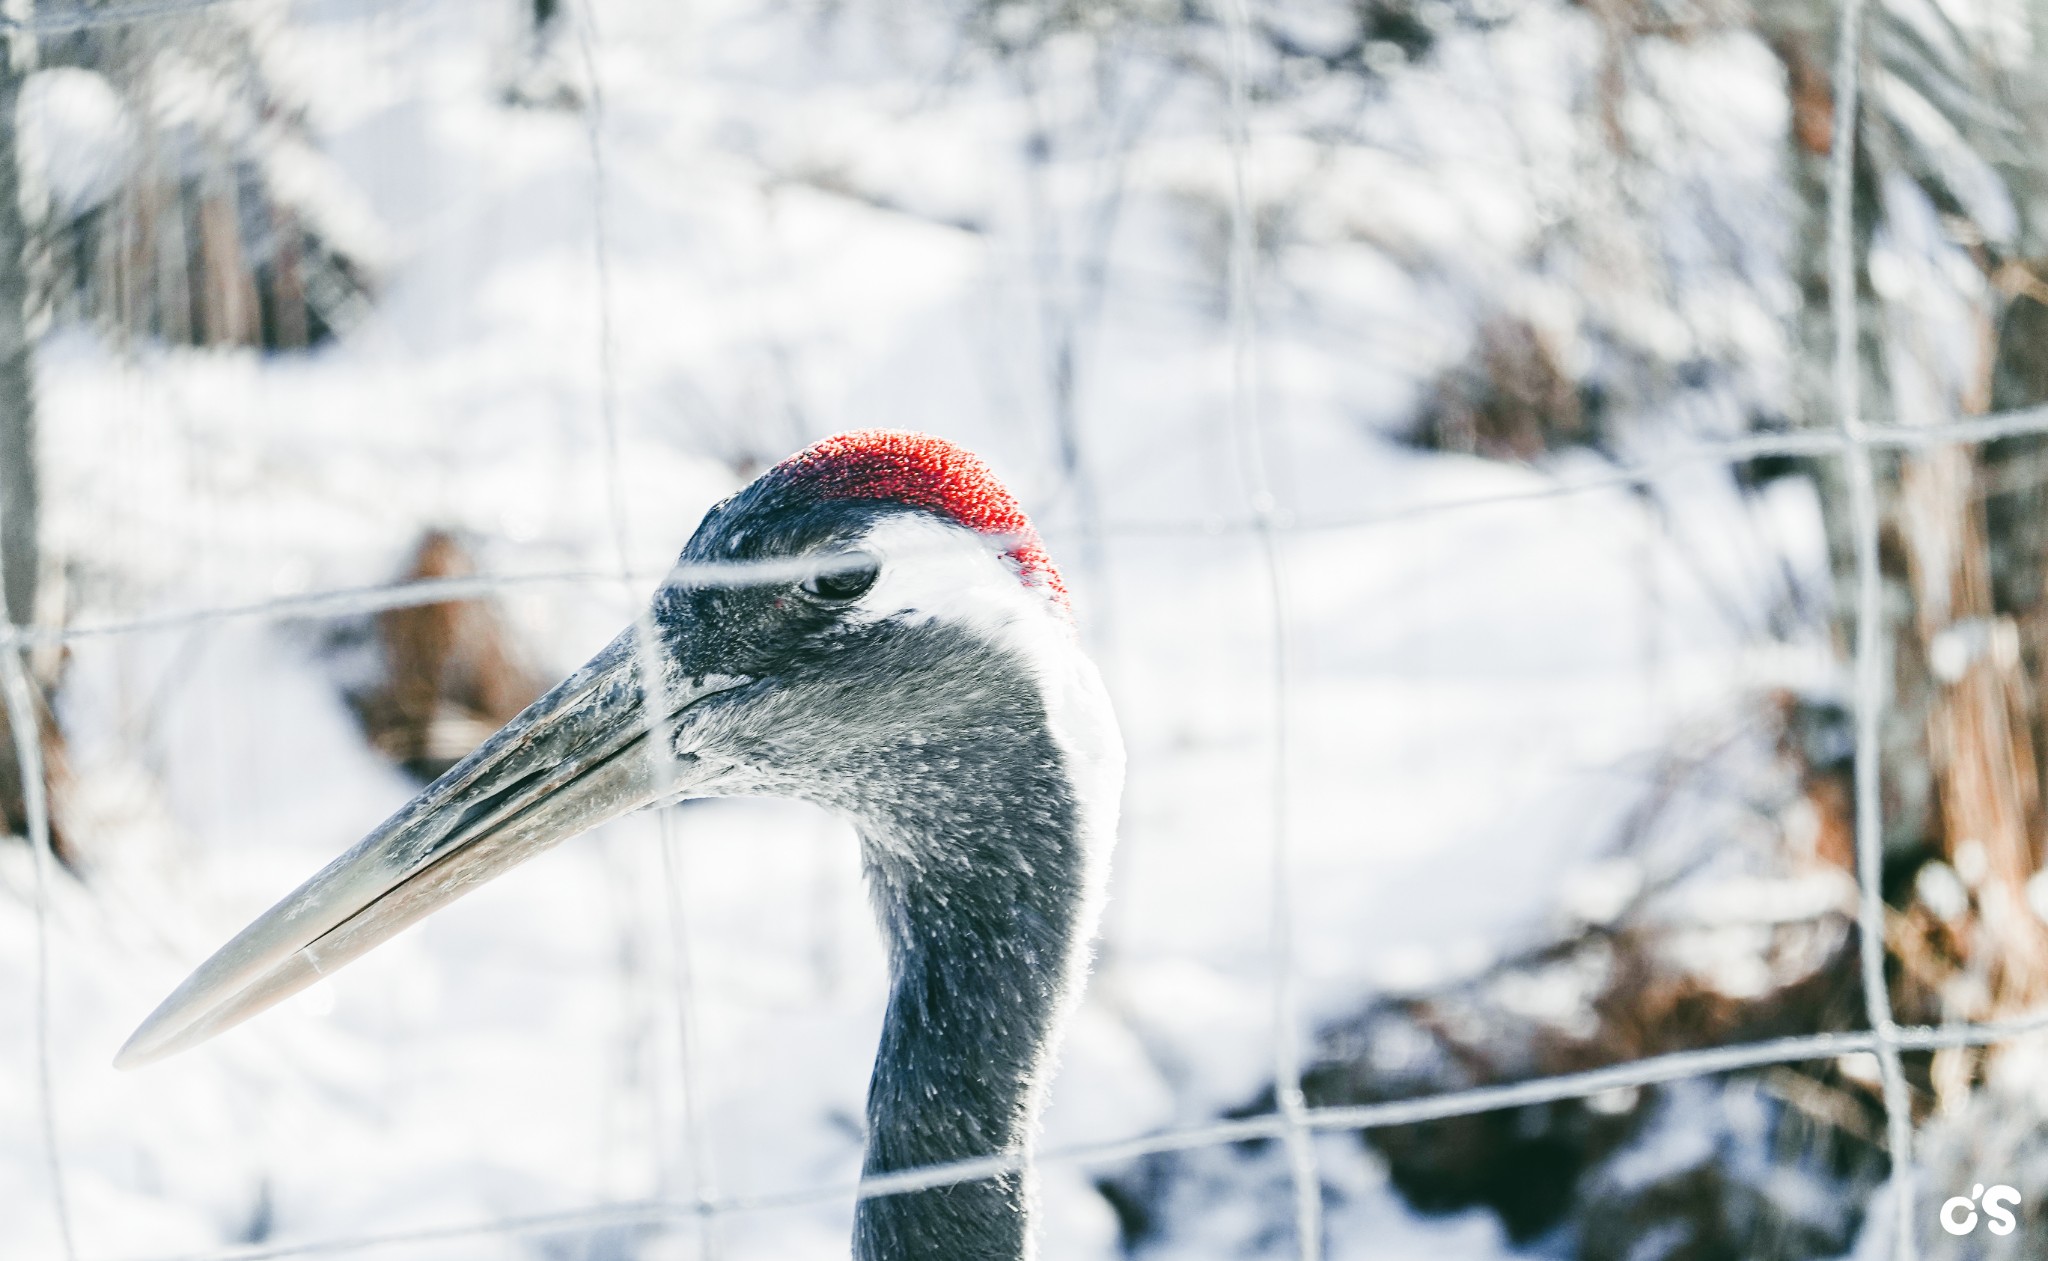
(1871, 657)
(1252, 447)
(1853, 441)
(342, 602)
(1648, 1071)
(695, 1146)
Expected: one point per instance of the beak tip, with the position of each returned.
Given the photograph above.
(131, 1057)
(154, 1039)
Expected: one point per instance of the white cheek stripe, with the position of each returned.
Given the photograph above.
(931, 569)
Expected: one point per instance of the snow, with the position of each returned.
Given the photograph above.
(814, 222)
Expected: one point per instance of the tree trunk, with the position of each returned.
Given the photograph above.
(20, 553)
(20, 558)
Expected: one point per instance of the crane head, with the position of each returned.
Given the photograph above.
(827, 631)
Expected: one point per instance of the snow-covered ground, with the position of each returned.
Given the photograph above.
(788, 222)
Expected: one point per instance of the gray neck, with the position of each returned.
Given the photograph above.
(981, 895)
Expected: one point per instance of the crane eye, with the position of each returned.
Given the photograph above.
(848, 582)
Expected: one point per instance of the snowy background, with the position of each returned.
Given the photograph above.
(731, 227)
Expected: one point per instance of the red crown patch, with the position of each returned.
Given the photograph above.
(898, 466)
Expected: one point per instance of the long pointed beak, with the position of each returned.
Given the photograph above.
(573, 759)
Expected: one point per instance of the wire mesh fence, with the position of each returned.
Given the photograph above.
(1851, 443)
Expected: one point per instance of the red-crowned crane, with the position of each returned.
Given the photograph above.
(907, 661)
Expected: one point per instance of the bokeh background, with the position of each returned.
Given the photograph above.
(1442, 313)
